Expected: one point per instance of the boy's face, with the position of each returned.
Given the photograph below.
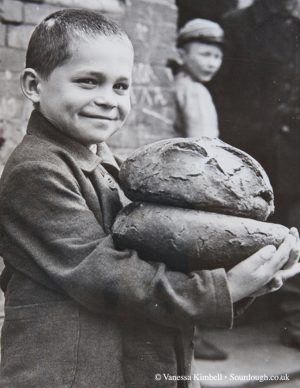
(202, 60)
(88, 97)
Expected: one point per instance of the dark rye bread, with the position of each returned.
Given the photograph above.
(187, 239)
(203, 173)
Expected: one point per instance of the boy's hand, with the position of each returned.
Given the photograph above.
(266, 270)
(290, 269)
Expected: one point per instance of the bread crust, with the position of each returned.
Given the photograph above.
(188, 240)
(205, 174)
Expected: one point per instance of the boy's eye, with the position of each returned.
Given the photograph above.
(87, 81)
(205, 54)
(121, 86)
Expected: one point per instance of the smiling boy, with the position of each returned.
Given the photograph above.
(68, 96)
(78, 312)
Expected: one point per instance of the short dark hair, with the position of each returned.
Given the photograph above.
(49, 45)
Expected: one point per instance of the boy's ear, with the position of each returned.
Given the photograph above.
(181, 55)
(30, 85)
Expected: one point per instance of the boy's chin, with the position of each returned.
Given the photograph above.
(204, 80)
(105, 136)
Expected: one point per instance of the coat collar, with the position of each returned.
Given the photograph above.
(39, 126)
(264, 9)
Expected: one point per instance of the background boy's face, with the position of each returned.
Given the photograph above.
(202, 60)
(88, 97)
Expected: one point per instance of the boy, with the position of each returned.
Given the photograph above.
(78, 312)
(200, 48)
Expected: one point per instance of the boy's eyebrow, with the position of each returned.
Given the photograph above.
(98, 75)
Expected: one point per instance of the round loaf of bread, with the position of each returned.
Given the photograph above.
(187, 239)
(205, 174)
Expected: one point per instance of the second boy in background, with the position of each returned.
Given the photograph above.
(199, 44)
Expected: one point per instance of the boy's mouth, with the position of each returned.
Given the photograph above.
(208, 73)
(98, 117)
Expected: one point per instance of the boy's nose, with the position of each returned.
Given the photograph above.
(106, 99)
(214, 63)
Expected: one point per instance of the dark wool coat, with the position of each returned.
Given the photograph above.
(257, 92)
(79, 313)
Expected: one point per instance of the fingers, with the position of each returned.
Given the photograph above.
(293, 258)
(262, 272)
(281, 257)
(294, 232)
(262, 256)
(291, 272)
(269, 256)
(274, 285)
(255, 261)
(295, 252)
(282, 276)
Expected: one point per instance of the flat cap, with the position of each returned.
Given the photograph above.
(200, 29)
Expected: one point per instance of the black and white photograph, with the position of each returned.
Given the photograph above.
(149, 193)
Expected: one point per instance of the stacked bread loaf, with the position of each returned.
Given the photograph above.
(198, 204)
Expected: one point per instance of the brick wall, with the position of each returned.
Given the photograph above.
(152, 27)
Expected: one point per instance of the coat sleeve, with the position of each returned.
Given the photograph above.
(49, 233)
